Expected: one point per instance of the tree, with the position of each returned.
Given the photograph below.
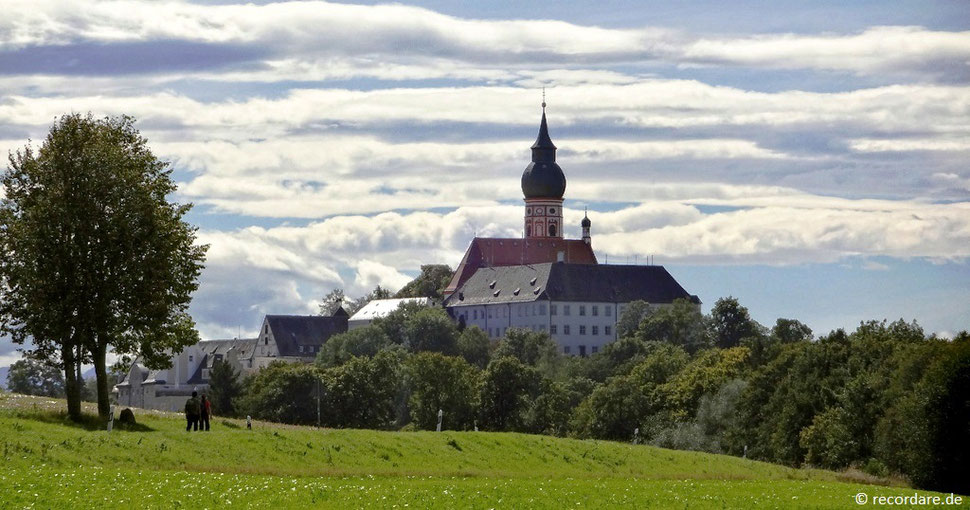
(393, 324)
(731, 323)
(430, 329)
(281, 392)
(362, 392)
(789, 331)
(681, 323)
(332, 301)
(33, 377)
(432, 281)
(612, 411)
(339, 349)
(508, 387)
(527, 346)
(631, 317)
(95, 256)
(446, 383)
(473, 345)
(224, 388)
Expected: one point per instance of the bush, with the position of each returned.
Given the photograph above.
(126, 416)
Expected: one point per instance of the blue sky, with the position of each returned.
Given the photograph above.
(809, 159)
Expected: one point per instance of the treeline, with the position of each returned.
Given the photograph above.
(885, 398)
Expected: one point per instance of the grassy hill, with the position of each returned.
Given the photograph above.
(48, 462)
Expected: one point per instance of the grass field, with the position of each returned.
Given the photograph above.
(51, 463)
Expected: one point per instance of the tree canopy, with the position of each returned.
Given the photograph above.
(95, 255)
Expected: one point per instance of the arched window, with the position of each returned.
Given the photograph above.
(552, 230)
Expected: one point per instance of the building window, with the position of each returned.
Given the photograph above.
(596, 349)
(565, 349)
(190, 358)
(553, 309)
(553, 329)
(542, 327)
(489, 312)
(565, 309)
(608, 330)
(582, 309)
(582, 329)
(582, 350)
(565, 329)
(608, 311)
(542, 308)
(552, 230)
(596, 310)
(266, 329)
(205, 373)
(504, 330)
(265, 340)
(475, 314)
(596, 330)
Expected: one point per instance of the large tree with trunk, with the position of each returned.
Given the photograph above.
(96, 257)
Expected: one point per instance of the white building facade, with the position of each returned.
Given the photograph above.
(578, 305)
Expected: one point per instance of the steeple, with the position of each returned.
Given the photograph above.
(586, 224)
(543, 177)
(543, 150)
(543, 185)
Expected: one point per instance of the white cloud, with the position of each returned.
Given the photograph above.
(785, 235)
(286, 269)
(370, 274)
(314, 34)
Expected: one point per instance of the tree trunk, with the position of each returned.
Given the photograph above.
(101, 372)
(72, 388)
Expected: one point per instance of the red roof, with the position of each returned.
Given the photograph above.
(495, 252)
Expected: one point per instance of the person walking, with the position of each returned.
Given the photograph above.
(206, 405)
(192, 410)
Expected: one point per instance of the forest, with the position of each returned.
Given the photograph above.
(885, 399)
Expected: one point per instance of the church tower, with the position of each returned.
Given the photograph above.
(543, 185)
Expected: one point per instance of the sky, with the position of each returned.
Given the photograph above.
(809, 159)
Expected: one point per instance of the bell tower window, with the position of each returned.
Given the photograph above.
(552, 230)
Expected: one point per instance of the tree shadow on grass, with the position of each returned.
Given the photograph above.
(90, 422)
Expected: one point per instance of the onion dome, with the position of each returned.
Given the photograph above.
(585, 223)
(543, 178)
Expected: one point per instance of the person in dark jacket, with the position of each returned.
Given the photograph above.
(206, 412)
(193, 408)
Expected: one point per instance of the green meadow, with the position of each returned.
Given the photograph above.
(49, 462)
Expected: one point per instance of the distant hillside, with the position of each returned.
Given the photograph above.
(52, 463)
